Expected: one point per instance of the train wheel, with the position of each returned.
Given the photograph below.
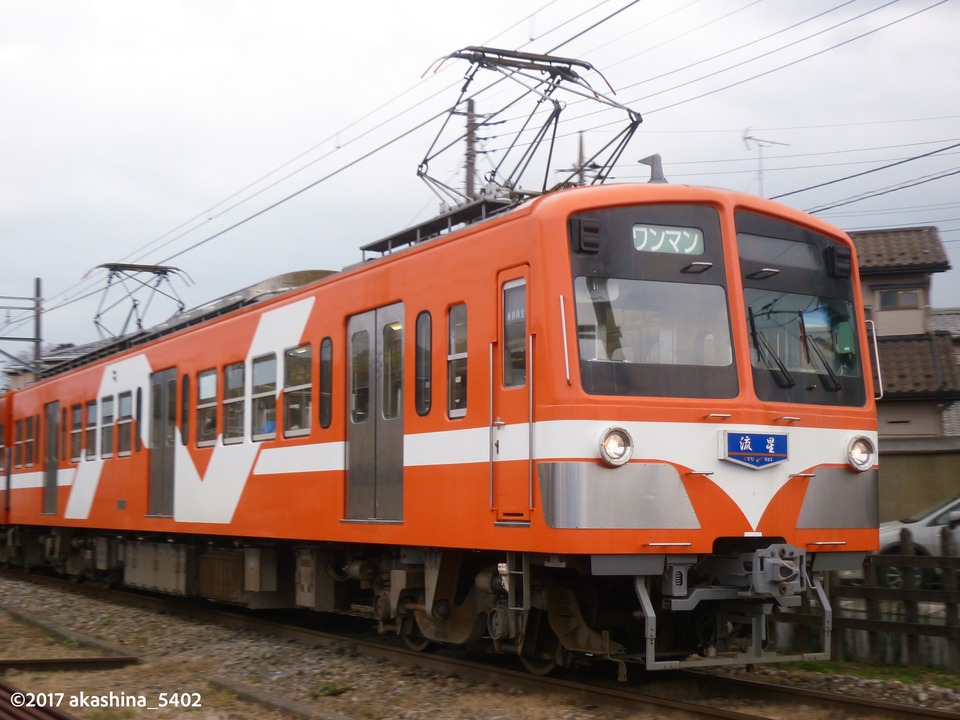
(537, 665)
(541, 646)
(413, 638)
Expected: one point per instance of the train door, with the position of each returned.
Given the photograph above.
(512, 394)
(50, 457)
(374, 479)
(163, 431)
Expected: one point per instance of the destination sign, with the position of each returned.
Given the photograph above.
(667, 239)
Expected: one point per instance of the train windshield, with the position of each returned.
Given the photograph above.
(801, 324)
(649, 328)
(792, 333)
(649, 322)
(651, 303)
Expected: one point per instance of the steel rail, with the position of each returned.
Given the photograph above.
(714, 687)
(9, 710)
(76, 663)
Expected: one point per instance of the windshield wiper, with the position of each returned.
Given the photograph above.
(780, 373)
(831, 380)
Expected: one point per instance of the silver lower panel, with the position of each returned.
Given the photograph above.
(839, 498)
(635, 496)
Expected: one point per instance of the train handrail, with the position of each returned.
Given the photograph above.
(563, 334)
(876, 358)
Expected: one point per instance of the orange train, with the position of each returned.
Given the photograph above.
(628, 422)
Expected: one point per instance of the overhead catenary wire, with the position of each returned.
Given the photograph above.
(866, 172)
(648, 112)
(885, 191)
(273, 205)
(10, 326)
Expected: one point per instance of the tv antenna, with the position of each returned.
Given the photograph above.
(760, 144)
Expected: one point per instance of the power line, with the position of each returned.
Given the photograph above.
(803, 59)
(866, 172)
(885, 191)
(144, 249)
(755, 42)
(416, 106)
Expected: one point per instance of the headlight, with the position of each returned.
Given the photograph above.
(861, 453)
(616, 447)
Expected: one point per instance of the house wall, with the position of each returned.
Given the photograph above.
(909, 419)
(893, 321)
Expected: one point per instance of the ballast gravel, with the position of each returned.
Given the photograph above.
(203, 664)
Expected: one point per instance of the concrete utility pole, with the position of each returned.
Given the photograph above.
(471, 149)
(581, 175)
(37, 314)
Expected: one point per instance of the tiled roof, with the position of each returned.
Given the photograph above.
(900, 250)
(919, 367)
(945, 320)
(950, 419)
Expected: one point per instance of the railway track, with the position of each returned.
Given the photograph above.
(11, 707)
(662, 695)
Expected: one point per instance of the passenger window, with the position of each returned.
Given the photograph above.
(76, 432)
(64, 434)
(233, 387)
(124, 423)
(360, 382)
(391, 382)
(457, 361)
(264, 397)
(137, 442)
(30, 445)
(185, 410)
(297, 391)
(18, 444)
(326, 382)
(90, 439)
(424, 372)
(207, 407)
(515, 333)
(106, 427)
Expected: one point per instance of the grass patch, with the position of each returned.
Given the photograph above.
(870, 671)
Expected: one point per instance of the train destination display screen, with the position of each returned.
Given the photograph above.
(667, 239)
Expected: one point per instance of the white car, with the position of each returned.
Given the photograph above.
(926, 528)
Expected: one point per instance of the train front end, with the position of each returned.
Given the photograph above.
(724, 455)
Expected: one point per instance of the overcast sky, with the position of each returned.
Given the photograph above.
(133, 131)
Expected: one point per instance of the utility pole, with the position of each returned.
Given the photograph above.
(37, 314)
(36, 305)
(471, 150)
(581, 175)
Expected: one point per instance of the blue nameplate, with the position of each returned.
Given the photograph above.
(755, 450)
